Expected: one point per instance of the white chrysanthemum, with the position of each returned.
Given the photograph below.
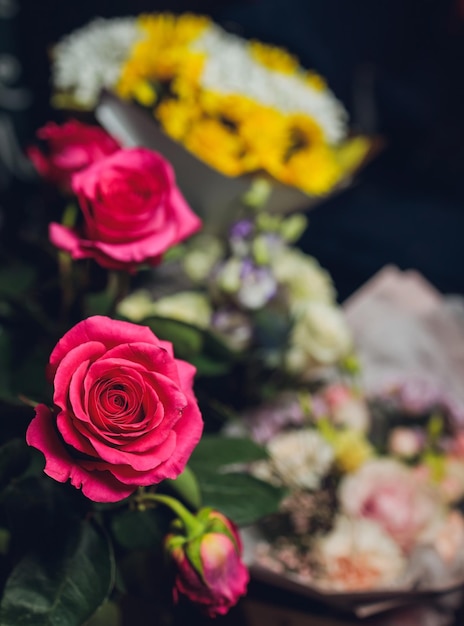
(90, 58)
(299, 458)
(230, 68)
(303, 278)
(358, 555)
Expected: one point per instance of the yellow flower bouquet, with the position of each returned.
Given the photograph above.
(242, 107)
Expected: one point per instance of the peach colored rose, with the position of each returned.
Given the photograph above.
(358, 555)
(388, 492)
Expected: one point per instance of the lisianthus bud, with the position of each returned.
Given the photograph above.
(209, 569)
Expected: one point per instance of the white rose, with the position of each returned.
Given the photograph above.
(137, 306)
(303, 278)
(186, 306)
(320, 336)
(202, 255)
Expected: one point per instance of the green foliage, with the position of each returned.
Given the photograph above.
(134, 529)
(200, 347)
(220, 464)
(214, 452)
(64, 584)
(241, 497)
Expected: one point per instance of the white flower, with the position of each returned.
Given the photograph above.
(230, 68)
(90, 58)
(303, 278)
(203, 253)
(297, 458)
(320, 336)
(186, 306)
(136, 306)
(252, 286)
(358, 555)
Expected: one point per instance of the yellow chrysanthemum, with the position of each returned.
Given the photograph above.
(303, 131)
(315, 80)
(352, 153)
(232, 107)
(163, 53)
(176, 117)
(217, 145)
(314, 170)
(276, 59)
(264, 132)
(186, 83)
(169, 30)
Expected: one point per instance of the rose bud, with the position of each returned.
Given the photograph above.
(209, 569)
(133, 211)
(69, 148)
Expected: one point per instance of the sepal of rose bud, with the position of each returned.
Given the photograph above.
(209, 568)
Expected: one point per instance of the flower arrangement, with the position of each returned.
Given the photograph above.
(106, 467)
(261, 315)
(165, 386)
(375, 490)
(242, 107)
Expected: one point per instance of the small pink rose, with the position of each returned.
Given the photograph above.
(133, 211)
(406, 442)
(69, 148)
(124, 413)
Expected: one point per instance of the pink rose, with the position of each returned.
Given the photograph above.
(68, 149)
(133, 211)
(389, 493)
(209, 569)
(125, 414)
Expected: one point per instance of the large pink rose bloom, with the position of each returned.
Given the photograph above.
(389, 493)
(69, 148)
(133, 211)
(125, 414)
(209, 569)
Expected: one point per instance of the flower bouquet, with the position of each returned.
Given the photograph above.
(224, 110)
(115, 489)
(374, 469)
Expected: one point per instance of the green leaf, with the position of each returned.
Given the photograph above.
(187, 339)
(187, 487)
(207, 366)
(62, 585)
(5, 366)
(100, 303)
(14, 459)
(139, 529)
(215, 451)
(271, 328)
(16, 280)
(241, 497)
(109, 614)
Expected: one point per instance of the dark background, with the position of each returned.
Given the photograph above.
(397, 65)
